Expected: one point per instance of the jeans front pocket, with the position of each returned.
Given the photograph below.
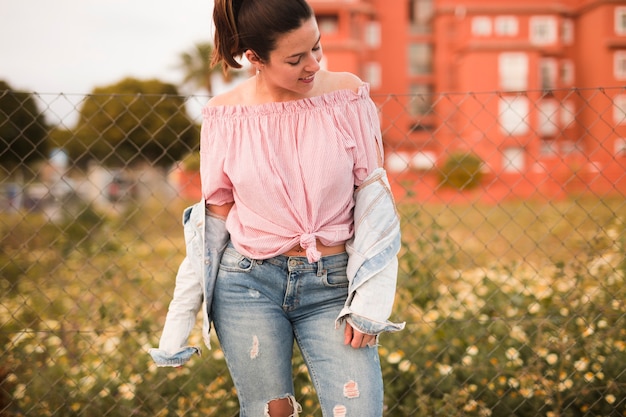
(233, 261)
(335, 277)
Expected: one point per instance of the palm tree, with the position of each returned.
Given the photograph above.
(196, 65)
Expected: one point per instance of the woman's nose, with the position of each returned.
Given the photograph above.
(314, 64)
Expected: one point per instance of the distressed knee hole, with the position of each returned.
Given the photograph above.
(283, 407)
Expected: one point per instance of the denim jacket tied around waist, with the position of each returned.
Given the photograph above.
(372, 271)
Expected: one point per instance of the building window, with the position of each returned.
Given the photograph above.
(481, 26)
(619, 109)
(620, 20)
(372, 34)
(547, 148)
(397, 161)
(328, 24)
(513, 115)
(619, 65)
(505, 25)
(423, 160)
(548, 71)
(513, 71)
(567, 32)
(567, 72)
(548, 118)
(543, 30)
(568, 147)
(421, 100)
(567, 113)
(620, 147)
(420, 15)
(513, 160)
(420, 59)
(373, 74)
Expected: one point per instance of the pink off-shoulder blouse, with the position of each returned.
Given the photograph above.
(290, 168)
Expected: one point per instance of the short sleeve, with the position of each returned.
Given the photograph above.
(368, 152)
(216, 186)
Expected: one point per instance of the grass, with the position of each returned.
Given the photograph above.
(516, 309)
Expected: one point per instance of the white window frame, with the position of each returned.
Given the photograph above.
(506, 25)
(372, 34)
(620, 147)
(567, 72)
(422, 15)
(543, 30)
(373, 74)
(549, 67)
(620, 21)
(513, 115)
(423, 107)
(481, 26)
(424, 160)
(513, 71)
(569, 147)
(619, 109)
(397, 161)
(619, 65)
(567, 31)
(567, 115)
(514, 160)
(548, 148)
(548, 118)
(420, 56)
(328, 24)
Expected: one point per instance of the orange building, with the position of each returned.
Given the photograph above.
(534, 88)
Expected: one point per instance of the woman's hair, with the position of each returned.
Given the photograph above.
(253, 24)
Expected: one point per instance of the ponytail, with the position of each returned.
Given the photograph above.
(242, 25)
(226, 40)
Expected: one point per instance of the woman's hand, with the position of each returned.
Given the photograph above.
(356, 339)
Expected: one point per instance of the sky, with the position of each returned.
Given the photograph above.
(72, 46)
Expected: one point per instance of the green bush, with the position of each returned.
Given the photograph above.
(501, 339)
(512, 339)
(461, 171)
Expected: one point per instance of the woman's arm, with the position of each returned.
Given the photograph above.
(219, 211)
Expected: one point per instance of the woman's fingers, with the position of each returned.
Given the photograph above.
(356, 339)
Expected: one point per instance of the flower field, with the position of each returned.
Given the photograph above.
(517, 309)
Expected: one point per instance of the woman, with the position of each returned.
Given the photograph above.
(281, 157)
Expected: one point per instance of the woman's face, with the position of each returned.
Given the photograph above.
(292, 66)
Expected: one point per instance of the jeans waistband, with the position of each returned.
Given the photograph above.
(339, 260)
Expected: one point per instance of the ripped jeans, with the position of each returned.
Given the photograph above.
(261, 306)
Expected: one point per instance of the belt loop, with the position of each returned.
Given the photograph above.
(320, 267)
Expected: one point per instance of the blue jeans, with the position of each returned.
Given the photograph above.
(261, 306)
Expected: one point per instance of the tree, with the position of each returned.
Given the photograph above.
(134, 121)
(23, 129)
(196, 64)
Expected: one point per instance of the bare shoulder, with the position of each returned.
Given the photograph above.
(238, 95)
(332, 81)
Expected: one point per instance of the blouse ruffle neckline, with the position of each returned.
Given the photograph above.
(328, 99)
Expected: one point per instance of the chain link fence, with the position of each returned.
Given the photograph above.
(511, 278)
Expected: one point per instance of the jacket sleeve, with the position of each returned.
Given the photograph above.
(369, 305)
(183, 309)
(373, 264)
(380, 288)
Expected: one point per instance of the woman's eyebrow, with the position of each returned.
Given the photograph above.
(301, 53)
